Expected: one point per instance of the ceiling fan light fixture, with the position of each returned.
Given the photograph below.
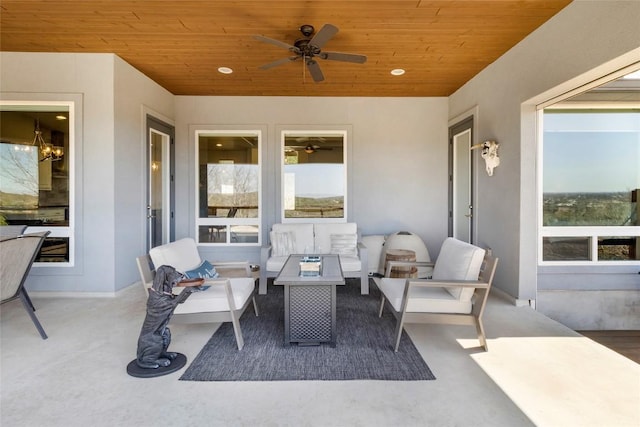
(397, 72)
(307, 30)
(225, 70)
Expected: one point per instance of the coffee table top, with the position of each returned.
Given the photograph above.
(331, 272)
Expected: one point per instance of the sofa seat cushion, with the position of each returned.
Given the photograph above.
(182, 255)
(350, 263)
(433, 300)
(275, 263)
(214, 298)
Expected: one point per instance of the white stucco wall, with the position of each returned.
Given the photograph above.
(135, 96)
(586, 37)
(397, 168)
(88, 78)
(109, 96)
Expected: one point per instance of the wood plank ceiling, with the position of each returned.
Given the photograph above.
(181, 44)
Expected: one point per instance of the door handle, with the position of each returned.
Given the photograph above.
(469, 215)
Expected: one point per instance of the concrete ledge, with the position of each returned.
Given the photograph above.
(592, 310)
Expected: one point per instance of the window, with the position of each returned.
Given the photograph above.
(36, 170)
(590, 184)
(314, 175)
(228, 194)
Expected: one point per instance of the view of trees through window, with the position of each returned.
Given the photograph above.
(34, 173)
(229, 186)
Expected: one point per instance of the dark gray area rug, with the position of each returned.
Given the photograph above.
(363, 347)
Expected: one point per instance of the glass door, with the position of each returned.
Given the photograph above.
(461, 186)
(159, 178)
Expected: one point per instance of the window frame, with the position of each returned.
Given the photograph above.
(287, 132)
(589, 232)
(220, 221)
(67, 231)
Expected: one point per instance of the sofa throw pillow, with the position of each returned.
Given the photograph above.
(283, 244)
(344, 244)
(204, 271)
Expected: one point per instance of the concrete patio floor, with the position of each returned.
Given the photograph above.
(537, 372)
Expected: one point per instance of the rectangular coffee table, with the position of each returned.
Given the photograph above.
(310, 301)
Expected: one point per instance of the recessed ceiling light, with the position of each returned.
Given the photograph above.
(61, 117)
(397, 72)
(225, 70)
(218, 145)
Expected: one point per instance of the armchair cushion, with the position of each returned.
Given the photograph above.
(458, 261)
(213, 299)
(182, 255)
(421, 299)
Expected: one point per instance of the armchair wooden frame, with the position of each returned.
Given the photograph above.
(232, 315)
(482, 287)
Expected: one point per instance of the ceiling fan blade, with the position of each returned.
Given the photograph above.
(277, 43)
(278, 62)
(326, 32)
(314, 70)
(346, 57)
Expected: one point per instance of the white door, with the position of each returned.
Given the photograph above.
(461, 197)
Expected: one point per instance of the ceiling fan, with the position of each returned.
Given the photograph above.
(311, 48)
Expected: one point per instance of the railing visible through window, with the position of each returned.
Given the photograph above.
(36, 149)
(228, 164)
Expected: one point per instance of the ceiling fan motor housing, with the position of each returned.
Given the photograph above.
(305, 48)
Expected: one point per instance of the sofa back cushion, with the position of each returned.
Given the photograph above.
(297, 236)
(323, 232)
(182, 255)
(458, 260)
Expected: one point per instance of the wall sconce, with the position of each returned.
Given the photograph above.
(489, 154)
(47, 150)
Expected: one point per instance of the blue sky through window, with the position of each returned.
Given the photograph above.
(591, 152)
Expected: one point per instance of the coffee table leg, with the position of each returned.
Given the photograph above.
(287, 329)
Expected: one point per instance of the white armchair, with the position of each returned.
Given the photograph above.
(456, 293)
(225, 300)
